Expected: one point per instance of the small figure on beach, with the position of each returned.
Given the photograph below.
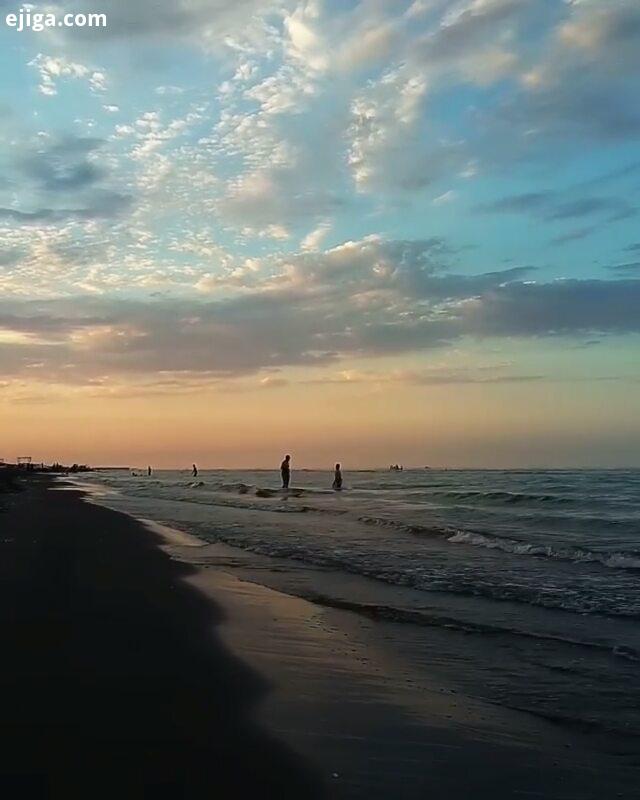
(149, 471)
(285, 471)
(337, 479)
(195, 471)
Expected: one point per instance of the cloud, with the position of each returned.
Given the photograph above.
(102, 204)
(432, 376)
(55, 68)
(361, 299)
(630, 268)
(553, 206)
(167, 244)
(574, 235)
(314, 238)
(265, 200)
(467, 25)
(560, 307)
(583, 84)
(204, 22)
(539, 76)
(64, 166)
(168, 90)
(10, 256)
(388, 143)
(614, 207)
(518, 203)
(445, 198)
(60, 180)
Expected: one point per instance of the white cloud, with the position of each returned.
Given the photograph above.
(386, 120)
(285, 91)
(53, 69)
(445, 198)
(168, 90)
(305, 43)
(314, 238)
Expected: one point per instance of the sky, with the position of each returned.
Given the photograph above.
(372, 231)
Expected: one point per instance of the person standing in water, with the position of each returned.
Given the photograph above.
(285, 471)
(195, 471)
(149, 471)
(337, 479)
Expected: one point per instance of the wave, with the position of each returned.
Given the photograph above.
(238, 487)
(423, 575)
(252, 495)
(478, 495)
(510, 498)
(427, 578)
(613, 560)
(424, 618)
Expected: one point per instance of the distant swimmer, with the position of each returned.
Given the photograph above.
(195, 471)
(149, 471)
(285, 471)
(337, 479)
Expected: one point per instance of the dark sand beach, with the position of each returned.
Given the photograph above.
(130, 670)
(113, 680)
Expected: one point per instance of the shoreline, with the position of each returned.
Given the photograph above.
(336, 697)
(379, 713)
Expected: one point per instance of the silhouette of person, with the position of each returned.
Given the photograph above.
(337, 479)
(148, 470)
(285, 471)
(195, 471)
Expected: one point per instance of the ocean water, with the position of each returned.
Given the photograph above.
(539, 568)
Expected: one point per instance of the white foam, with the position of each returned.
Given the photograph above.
(612, 560)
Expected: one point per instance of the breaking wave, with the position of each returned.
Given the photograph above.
(613, 560)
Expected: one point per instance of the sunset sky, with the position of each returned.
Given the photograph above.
(371, 231)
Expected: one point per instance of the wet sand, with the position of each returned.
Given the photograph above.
(134, 664)
(381, 725)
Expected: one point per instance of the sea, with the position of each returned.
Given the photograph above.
(527, 580)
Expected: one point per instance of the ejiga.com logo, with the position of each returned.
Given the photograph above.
(27, 19)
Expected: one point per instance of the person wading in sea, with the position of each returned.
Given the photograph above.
(337, 479)
(285, 471)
